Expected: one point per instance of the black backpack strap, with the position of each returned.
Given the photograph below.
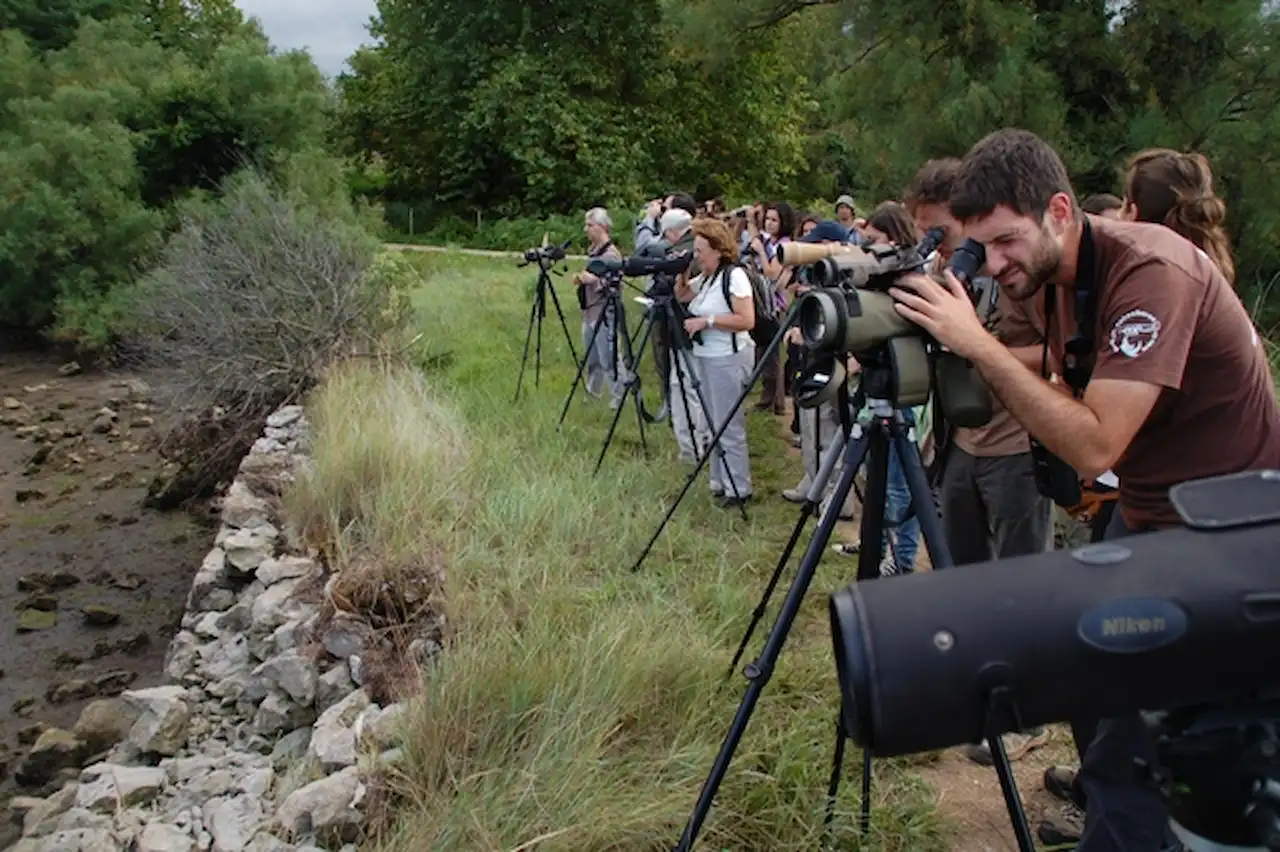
(728, 268)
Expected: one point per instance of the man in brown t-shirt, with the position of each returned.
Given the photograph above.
(1180, 389)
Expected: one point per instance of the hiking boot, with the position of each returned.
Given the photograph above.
(1062, 829)
(1060, 782)
(1017, 745)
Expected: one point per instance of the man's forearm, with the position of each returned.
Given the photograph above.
(1067, 427)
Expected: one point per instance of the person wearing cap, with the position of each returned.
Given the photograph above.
(845, 212)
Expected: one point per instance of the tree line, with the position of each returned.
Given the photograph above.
(118, 115)
(488, 108)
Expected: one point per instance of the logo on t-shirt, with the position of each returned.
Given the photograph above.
(1134, 333)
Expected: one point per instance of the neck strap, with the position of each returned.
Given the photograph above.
(1078, 349)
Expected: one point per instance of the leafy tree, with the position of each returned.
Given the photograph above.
(99, 136)
(485, 106)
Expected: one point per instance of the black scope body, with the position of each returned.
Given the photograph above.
(546, 253)
(637, 266)
(1171, 619)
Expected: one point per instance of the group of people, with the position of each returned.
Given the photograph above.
(1117, 345)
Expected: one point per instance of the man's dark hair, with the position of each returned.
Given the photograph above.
(932, 184)
(1012, 167)
(1101, 203)
(684, 201)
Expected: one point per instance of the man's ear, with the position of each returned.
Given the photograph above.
(1061, 211)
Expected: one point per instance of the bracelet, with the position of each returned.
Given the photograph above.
(711, 321)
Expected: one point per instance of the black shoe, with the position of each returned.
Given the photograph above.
(731, 502)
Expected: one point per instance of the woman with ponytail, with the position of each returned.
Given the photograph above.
(1176, 190)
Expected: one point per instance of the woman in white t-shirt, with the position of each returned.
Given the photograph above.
(724, 354)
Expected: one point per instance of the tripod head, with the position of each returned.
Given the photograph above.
(1221, 776)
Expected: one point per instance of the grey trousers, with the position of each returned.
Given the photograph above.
(692, 435)
(991, 508)
(827, 421)
(598, 355)
(723, 380)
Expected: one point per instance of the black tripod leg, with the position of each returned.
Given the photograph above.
(759, 671)
(922, 502)
(528, 337)
(746, 391)
(1012, 801)
(541, 301)
(871, 531)
(555, 301)
(582, 368)
(864, 816)
(642, 415)
(633, 386)
(837, 768)
(829, 459)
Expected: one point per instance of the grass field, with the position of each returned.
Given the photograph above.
(580, 705)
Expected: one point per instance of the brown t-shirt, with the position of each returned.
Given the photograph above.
(1167, 316)
(1016, 324)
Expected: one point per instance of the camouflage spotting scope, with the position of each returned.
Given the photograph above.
(850, 312)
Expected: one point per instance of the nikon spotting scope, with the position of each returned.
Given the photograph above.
(1180, 626)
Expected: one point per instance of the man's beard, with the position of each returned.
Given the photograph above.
(1039, 270)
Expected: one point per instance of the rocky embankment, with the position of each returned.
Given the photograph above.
(265, 736)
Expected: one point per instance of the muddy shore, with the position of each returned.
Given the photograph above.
(92, 585)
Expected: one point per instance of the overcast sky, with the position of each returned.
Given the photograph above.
(330, 30)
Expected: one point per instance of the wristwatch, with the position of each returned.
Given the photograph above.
(711, 321)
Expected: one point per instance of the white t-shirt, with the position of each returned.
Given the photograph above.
(716, 343)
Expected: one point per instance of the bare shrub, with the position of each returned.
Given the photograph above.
(254, 296)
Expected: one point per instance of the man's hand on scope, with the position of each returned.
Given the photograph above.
(943, 310)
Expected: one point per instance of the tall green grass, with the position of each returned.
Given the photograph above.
(580, 705)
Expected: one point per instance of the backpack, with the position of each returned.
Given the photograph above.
(764, 299)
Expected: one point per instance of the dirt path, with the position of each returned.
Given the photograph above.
(92, 586)
(969, 796)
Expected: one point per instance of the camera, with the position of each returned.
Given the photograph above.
(546, 254)
(850, 312)
(1055, 479)
(660, 263)
(670, 264)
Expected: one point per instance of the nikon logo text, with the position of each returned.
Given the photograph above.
(1132, 625)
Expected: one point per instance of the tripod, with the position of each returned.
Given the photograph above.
(664, 312)
(613, 315)
(762, 364)
(545, 258)
(856, 444)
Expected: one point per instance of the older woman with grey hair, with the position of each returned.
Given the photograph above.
(602, 356)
